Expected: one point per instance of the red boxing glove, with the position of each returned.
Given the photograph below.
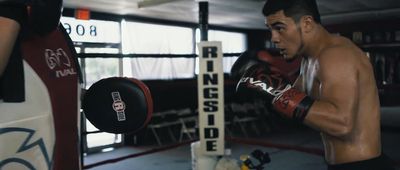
(277, 64)
(285, 99)
(293, 104)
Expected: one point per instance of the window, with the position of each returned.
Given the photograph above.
(141, 38)
(99, 68)
(160, 52)
(144, 38)
(95, 36)
(232, 42)
(92, 31)
(162, 68)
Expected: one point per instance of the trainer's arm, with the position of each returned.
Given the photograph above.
(334, 113)
(8, 34)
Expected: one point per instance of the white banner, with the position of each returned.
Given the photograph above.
(95, 31)
(211, 98)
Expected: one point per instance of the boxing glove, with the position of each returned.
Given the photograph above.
(288, 69)
(257, 76)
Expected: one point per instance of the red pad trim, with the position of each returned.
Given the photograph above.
(148, 97)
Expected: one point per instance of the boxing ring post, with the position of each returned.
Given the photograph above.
(210, 83)
(203, 20)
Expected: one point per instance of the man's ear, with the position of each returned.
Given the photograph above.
(307, 23)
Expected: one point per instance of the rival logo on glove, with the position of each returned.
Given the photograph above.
(253, 83)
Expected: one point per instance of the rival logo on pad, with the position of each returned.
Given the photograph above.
(118, 106)
(58, 60)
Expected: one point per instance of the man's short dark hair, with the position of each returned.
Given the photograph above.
(293, 8)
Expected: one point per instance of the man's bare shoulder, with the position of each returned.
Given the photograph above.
(341, 51)
(340, 59)
(336, 56)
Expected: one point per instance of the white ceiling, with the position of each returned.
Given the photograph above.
(237, 13)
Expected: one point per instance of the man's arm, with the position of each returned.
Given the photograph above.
(8, 34)
(334, 113)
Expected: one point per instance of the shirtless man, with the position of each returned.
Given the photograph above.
(335, 92)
